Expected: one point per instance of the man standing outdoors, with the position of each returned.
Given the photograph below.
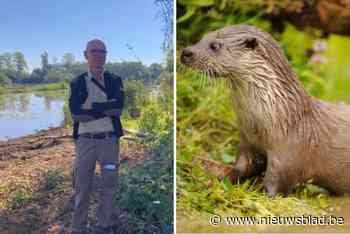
(95, 102)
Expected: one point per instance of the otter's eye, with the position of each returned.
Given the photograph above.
(215, 46)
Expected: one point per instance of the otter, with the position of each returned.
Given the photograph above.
(300, 136)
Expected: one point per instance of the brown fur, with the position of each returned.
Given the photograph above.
(302, 137)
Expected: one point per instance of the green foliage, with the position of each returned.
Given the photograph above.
(151, 123)
(20, 63)
(135, 97)
(57, 75)
(155, 70)
(211, 196)
(6, 62)
(206, 126)
(169, 60)
(130, 71)
(4, 79)
(146, 194)
(31, 88)
(22, 192)
(147, 191)
(14, 66)
(205, 119)
(68, 59)
(52, 179)
(195, 18)
(45, 63)
(166, 93)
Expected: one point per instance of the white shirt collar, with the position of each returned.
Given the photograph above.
(89, 74)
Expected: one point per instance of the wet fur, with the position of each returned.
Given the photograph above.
(302, 137)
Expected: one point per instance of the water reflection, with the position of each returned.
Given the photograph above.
(24, 113)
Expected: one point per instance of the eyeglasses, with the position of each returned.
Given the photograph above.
(98, 51)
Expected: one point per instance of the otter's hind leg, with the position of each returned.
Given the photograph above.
(249, 163)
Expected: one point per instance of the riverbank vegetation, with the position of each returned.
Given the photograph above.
(14, 69)
(206, 124)
(19, 88)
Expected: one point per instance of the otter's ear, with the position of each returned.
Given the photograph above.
(251, 43)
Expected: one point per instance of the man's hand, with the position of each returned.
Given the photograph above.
(88, 115)
(113, 112)
(83, 118)
(108, 108)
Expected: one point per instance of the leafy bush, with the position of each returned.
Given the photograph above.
(4, 79)
(146, 194)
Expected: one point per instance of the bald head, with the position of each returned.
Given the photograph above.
(95, 55)
(95, 42)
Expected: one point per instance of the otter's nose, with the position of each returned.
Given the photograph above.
(186, 56)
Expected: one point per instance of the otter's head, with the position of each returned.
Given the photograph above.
(239, 52)
(266, 92)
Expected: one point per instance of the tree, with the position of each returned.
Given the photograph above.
(6, 62)
(4, 79)
(169, 60)
(166, 12)
(56, 75)
(37, 76)
(155, 70)
(78, 68)
(135, 97)
(68, 60)
(130, 70)
(2, 62)
(45, 63)
(20, 64)
(165, 95)
(7, 65)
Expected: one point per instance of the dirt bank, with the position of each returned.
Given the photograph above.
(35, 181)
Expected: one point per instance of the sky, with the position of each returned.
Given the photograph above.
(62, 26)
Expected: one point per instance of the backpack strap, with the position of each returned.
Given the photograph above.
(103, 89)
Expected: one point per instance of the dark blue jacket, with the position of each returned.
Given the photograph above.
(78, 95)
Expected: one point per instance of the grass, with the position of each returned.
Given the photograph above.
(146, 195)
(206, 126)
(20, 192)
(29, 88)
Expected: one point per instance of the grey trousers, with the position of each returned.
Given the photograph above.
(88, 151)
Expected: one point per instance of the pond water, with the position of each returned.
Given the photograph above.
(26, 113)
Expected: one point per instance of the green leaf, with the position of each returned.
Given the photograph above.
(226, 183)
(201, 3)
(190, 11)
